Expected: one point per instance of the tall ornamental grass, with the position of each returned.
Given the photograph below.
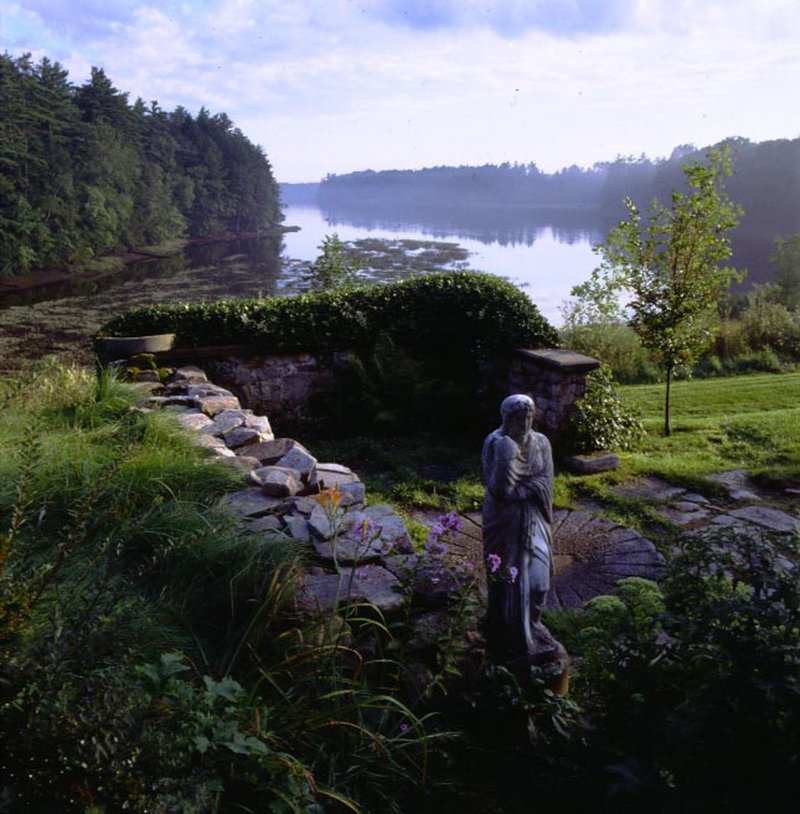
(150, 656)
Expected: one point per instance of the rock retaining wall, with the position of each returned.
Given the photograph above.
(284, 386)
(355, 552)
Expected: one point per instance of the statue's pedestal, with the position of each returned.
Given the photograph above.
(557, 667)
(546, 655)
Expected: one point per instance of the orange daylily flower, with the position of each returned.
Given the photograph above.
(329, 497)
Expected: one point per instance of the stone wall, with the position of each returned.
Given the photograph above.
(280, 386)
(354, 551)
(284, 386)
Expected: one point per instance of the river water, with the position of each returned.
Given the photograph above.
(545, 253)
(544, 258)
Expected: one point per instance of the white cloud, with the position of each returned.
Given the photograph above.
(335, 85)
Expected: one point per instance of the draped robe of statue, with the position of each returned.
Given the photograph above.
(517, 517)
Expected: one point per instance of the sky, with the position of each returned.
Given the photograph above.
(334, 86)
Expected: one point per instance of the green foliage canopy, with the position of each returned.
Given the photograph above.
(602, 420)
(331, 269)
(785, 262)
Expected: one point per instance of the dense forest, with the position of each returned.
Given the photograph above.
(84, 172)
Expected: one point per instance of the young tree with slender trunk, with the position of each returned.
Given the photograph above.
(669, 263)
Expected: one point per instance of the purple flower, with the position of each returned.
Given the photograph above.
(512, 573)
(404, 727)
(435, 547)
(450, 522)
(494, 562)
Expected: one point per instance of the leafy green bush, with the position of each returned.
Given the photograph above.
(731, 340)
(615, 344)
(770, 326)
(765, 360)
(708, 366)
(764, 334)
(698, 679)
(766, 322)
(115, 561)
(602, 420)
(331, 269)
(437, 314)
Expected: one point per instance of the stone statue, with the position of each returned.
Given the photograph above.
(517, 515)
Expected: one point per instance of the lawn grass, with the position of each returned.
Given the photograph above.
(726, 396)
(745, 422)
(750, 422)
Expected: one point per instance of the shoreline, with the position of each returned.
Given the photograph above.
(107, 264)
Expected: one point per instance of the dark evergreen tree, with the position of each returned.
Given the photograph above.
(84, 172)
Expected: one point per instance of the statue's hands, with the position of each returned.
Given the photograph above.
(500, 478)
(529, 489)
(523, 491)
(536, 491)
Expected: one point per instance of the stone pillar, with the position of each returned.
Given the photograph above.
(555, 379)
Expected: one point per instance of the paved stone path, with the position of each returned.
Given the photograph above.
(748, 508)
(592, 553)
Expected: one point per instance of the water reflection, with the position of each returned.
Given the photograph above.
(231, 268)
(506, 226)
(547, 253)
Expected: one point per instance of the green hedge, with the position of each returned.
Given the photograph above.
(428, 315)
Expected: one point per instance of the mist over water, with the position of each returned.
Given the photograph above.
(546, 256)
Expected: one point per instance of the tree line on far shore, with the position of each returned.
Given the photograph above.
(83, 172)
(766, 182)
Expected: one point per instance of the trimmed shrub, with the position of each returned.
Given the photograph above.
(420, 347)
(434, 314)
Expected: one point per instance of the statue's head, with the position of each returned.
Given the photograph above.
(517, 412)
